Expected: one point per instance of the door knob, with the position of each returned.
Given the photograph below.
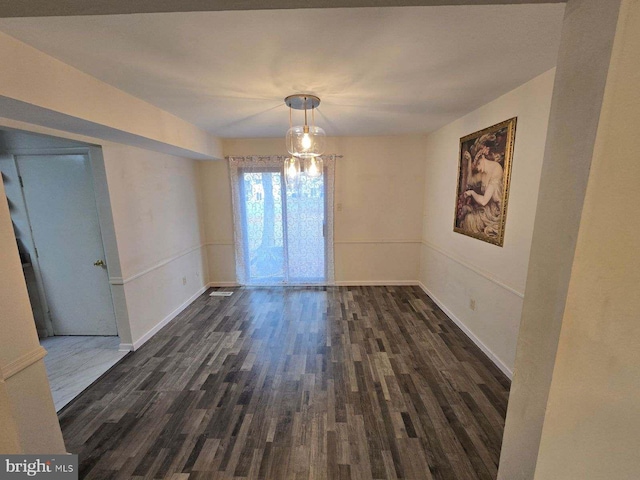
(100, 263)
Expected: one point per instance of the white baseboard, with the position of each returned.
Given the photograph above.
(43, 333)
(487, 351)
(222, 284)
(374, 283)
(344, 283)
(128, 347)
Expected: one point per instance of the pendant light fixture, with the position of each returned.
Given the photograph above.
(304, 142)
(292, 171)
(313, 166)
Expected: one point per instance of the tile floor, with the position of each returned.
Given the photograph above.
(75, 362)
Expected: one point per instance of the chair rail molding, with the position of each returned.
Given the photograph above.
(473, 268)
(22, 362)
(374, 241)
(162, 263)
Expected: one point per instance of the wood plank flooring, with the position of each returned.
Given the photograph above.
(297, 383)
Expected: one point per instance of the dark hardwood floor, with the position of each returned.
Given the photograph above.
(297, 383)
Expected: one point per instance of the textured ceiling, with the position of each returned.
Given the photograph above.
(378, 71)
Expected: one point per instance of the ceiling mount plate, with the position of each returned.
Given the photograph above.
(301, 101)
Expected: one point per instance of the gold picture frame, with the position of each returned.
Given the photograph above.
(484, 174)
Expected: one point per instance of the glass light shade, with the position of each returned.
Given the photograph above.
(306, 141)
(291, 170)
(313, 166)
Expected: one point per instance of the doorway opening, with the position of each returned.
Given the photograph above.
(50, 189)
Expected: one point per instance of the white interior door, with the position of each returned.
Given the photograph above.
(58, 192)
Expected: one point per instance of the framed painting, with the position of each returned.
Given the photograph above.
(484, 171)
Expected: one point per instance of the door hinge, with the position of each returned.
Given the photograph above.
(21, 182)
(36, 250)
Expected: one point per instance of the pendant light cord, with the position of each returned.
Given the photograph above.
(305, 111)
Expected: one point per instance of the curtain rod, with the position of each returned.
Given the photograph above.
(265, 157)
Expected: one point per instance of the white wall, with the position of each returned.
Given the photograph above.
(577, 108)
(156, 207)
(29, 422)
(379, 184)
(592, 416)
(455, 268)
(9, 440)
(378, 207)
(218, 222)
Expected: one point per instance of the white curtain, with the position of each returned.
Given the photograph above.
(283, 230)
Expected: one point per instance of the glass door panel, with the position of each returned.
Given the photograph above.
(262, 210)
(305, 220)
(282, 227)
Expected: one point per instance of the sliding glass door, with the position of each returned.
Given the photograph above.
(263, 223)
(305, 227)
(281, 228)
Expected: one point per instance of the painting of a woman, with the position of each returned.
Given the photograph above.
(483, 182)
